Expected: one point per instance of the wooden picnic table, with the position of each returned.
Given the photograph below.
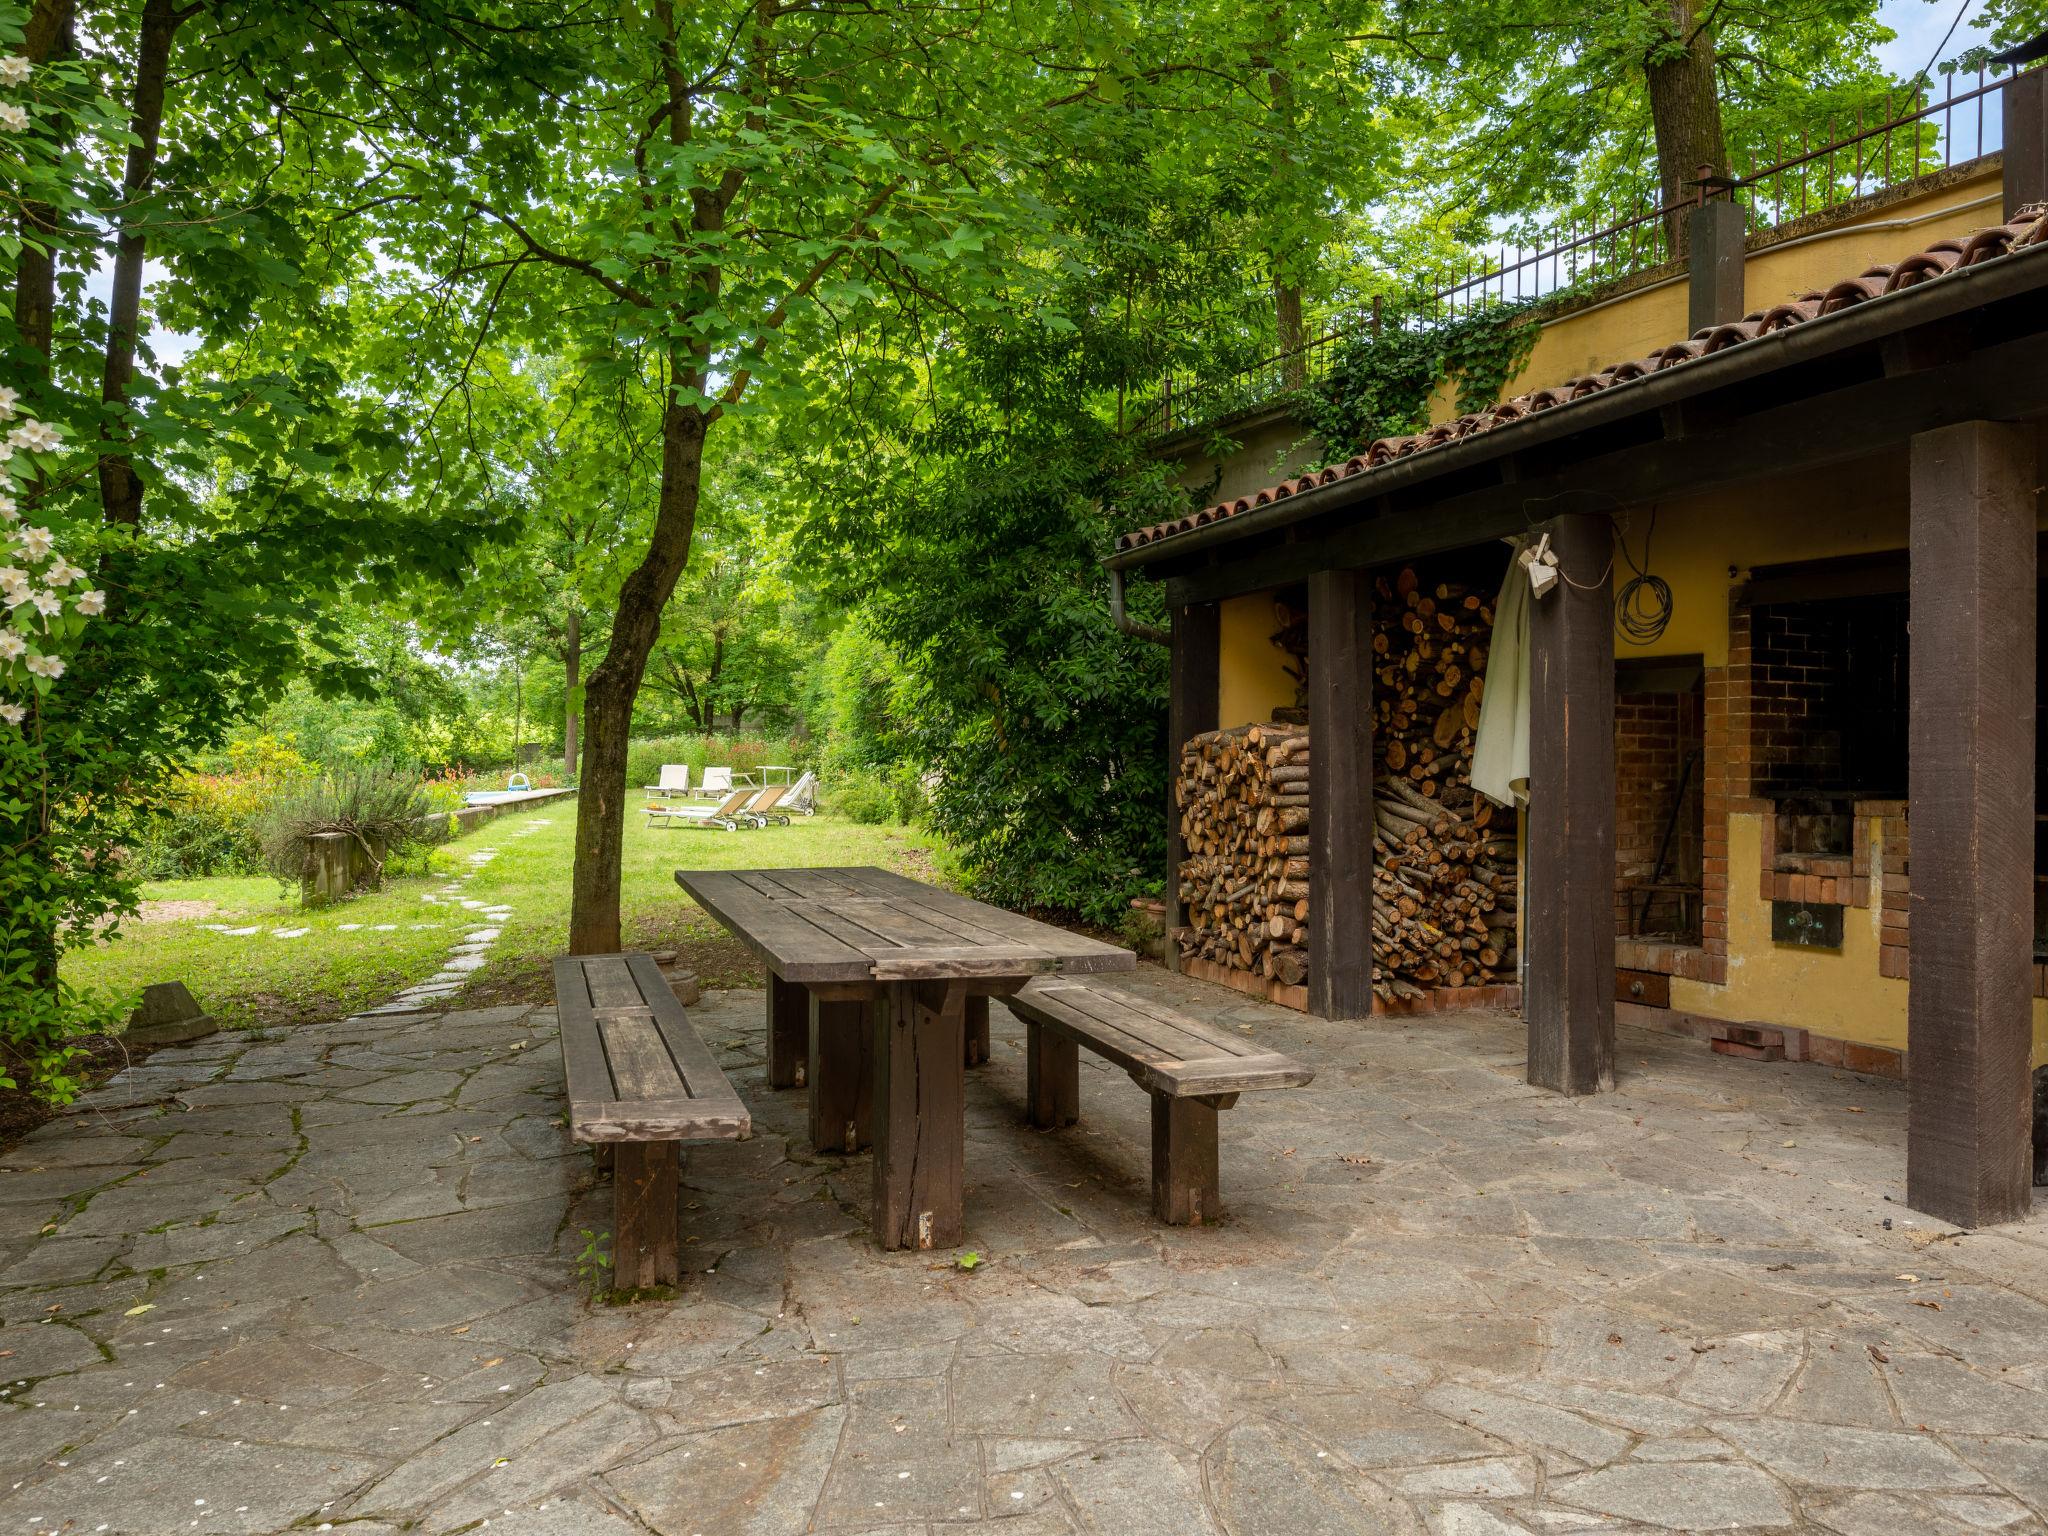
(878, 971)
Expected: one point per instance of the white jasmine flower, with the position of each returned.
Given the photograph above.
(62, 572)
(12, 118)
(8, 397)
(92, 603)
(13, 714)
(51, 667)
(34, 542)
(11, 645)
(35, 436)
(14, 69)
(48, 604)
(9, 509)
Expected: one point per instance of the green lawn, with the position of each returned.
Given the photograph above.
(395, 937)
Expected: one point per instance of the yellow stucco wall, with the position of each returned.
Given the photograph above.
(1635, 324)
(1830, 992)
(1250, 682)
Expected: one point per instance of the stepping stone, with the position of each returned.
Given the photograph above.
(384, 928)
(462, 963)
(236, 933)
(289, 933)
(346, 927)
(482, 935)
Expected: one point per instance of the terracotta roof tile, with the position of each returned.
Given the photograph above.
(2028, 228)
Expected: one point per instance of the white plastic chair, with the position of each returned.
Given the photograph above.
(675, 780)
(717, 781)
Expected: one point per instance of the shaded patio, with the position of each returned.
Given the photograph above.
(331, 1278)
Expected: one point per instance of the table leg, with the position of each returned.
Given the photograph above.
(842, 1076)
(977, 1029)
(1052, 1078)
(789, 1028)
(920, 1114)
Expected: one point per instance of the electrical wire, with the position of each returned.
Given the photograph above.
(1642, 608)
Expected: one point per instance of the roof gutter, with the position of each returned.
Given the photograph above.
(1959, 289)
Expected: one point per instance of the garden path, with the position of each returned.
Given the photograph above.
(333, 1278)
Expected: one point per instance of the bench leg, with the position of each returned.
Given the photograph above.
(789, 1029)
(1052, 1077)
(842, 1076)
(977, 1030)
(646, 1242)
(1184, 1178)
(920, 1115)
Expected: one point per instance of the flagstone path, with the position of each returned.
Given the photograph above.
(335, 1279)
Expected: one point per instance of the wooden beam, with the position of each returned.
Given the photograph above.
(1340, 814)
(1191, 710)
(2025, 169)
(1971, 735)
(1568, 1001)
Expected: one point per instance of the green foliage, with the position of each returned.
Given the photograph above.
(1380, 382)
(857, 704)
(875, 797)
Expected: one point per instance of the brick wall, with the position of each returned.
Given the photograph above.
(1793, 674)
(1654, 736)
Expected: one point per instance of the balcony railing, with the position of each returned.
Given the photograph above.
(1910, 135)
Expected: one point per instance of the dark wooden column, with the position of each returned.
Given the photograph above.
(1568, 1001)
(1191, 710)
(1340, 813)
(1714, 258)
(1969, 1008)
(2025, 112)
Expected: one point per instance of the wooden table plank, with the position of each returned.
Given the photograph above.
(775, 931)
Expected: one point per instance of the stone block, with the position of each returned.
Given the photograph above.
(168, 1015)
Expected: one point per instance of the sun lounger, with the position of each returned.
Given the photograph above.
(766, 806)
(803, 795)
(727, 815)
(717, 781)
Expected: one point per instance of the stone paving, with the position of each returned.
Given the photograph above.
(333, 1279)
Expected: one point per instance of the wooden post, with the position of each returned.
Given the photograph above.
(1340, 810)
(789, 1028)
(1569, 999)
(842, 1076)
(1052, 1078)
(1714, 236)
(1971, 736)
(646, 1235)
(977, 1029)
(1185, 1182)
(1191, 710)
(2025, 170)
(920, 1122)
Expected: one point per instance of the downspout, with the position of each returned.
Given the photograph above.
(1124, 621)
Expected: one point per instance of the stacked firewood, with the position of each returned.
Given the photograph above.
(1444, 875)
(1443, 857)
(1243, 800)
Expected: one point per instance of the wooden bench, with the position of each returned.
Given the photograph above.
(1190, 1068)
(641, 1083)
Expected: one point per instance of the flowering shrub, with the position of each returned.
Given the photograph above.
(60, 867)
(208, 823)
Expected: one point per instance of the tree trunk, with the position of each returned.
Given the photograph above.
(47, 37)
(1685, 109)
(572, 671)
(608, 697)
(120, 488)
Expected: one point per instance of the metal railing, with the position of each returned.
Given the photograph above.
(1895, 141)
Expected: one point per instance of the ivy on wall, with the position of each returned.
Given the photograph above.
(1379, 383)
